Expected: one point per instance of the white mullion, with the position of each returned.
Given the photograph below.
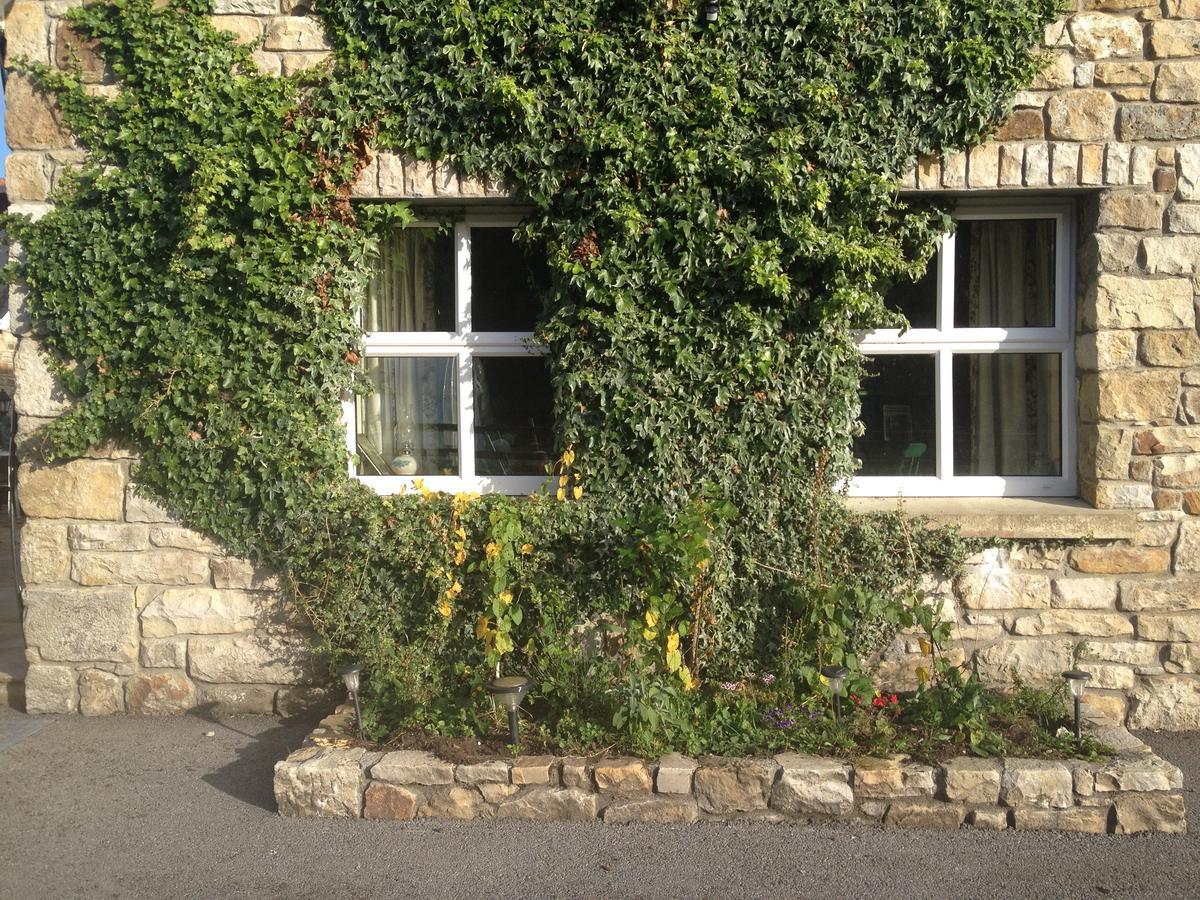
(466, 373)
(945, 299)
(944, 414)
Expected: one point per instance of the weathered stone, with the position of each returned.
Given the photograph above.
(1169, 627)
(237, 699)
(497, 793)
(1131, 653)
(173, 567)
(453, 803)
(998, 588)
(1087, 819)
(622, 776)
(725, 786)
(412, 767)
(1138, 772)
(1174, 38)
(1034, 782)
(324, 782)
(674, 774)
(1182, 659)
(1166, 702)
(660, 810)
(1069, 621)
(809, 785)
(294, 33)
(1121, 73)
(181, 539)
(73, 52)
(1130, 209)
(1157, 122)
(302, 700)
(229, 572)
(989, 819)
(1171, 254)
(492, 771)
(1117, 560)
(49, 689)
(159, 693)
(246, 7)
(1022, 125)
(983, 169)
(1136, 813)
(575, 772)
(32, 120)
(164, 654)
(1081, 115)
(1033, 659)
(1100, 36)
(27, 177)
(533, 770)
(1064, 164)
(971, 780)
(876, 778)
(45, 558)
(924, 814)
(550, 805)
(1179, 81)
(142, 509)
(78, 625)
(80, 489)
(25, 34)
(1176, 349)
(1187, 550)
(198, 610)
(251, 659)
(390, 802)
(1137, 302)
(107, 536)
(246, 29)
(1129, 396)
(1083, 593)
(100, 693)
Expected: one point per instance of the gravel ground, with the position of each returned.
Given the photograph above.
(130, 807)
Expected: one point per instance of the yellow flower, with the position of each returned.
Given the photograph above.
(454, 589)
(460, 557)
(673, 641)
(702, 565)
(562, 480)
(651, 618)
(649, 634)
(560, 494)
(526, 549)
(506, 597)
(490, 550)
(824, 680)
(578, 492)
(483, 628)
(461, 532)
(444, 609)
(568, 457)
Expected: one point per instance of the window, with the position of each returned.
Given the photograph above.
(977, 397)
(461, 400)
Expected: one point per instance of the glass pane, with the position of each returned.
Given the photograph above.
(503, 296)
(1007, 414)
(413, 285)
(409, 425)
(899, 416)
(916, 299)
(1004, 274)
(514, 417)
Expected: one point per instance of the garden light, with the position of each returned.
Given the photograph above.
(351, 676)
(836, 676)
(711, 9)
(509, 691)
(1077, 679)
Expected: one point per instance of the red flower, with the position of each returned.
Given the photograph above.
(879, 703)
(894, 700)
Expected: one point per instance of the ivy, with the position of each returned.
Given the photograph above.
(718, 205)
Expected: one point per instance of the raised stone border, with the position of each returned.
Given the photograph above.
(1133, 792)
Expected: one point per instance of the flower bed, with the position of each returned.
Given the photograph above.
(1134, 791)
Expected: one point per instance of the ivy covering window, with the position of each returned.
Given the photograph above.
(977, 397)
(461, 401)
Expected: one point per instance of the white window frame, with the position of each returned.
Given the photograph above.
(466, 346)
(945, 340)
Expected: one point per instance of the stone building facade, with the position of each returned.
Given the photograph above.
(127, 611)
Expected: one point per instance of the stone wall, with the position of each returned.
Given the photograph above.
(128, 611)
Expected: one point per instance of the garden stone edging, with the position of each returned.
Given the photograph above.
(1133, 792)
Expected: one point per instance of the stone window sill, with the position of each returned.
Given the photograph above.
(1013, 517)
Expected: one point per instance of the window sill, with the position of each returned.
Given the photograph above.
(1056, 518)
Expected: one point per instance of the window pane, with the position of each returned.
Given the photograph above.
(409, 425)
(413, 285)
(514, 417)
(898, 414)
(916, 299)
(503, 297)
(1004, 274)
(1007, 414)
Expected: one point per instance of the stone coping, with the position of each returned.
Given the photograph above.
(1133, 792)
(1052, 518)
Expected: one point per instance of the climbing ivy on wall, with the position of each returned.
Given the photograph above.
(718, 204)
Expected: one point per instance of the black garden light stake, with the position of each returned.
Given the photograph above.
(510, 691)
(1077, 679)
(711, 10)
(836, 676)
(351, 675)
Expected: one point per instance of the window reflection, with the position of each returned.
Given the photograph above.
(898, 416)
(513, 415)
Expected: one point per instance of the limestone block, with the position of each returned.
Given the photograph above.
(1138, 772)
(1064, 164)
(1174, 38)
(1182, 9)
(1116, 559)
(49, 689)
(660, 810)
(1081, 115)
(983, 168)
(445, 179)
(491, 771)
(971, 780)
(27, 176)
(725, 786)
(147, 567)
(164, 654)
(1058, 73)
(38, 392)
(199, 610)
(1129, 396)
(1138, 813)
(998, 588)
(1035, 660)
(1119, 494)
(1106, 450)
(237, 699)
(300, 62)
(453, 803)
(498, 793)
(878, 778)
(245, 29)
(1037, 165)
(1091, 164)
(1157, 122)
(1172, 595)
(1176, 349)
(100, 693)
(574, 771)
(418, 177)
(253, 658)
(267, 63)
(159, 693)
(25, 34)
(390, 802)
(1012, 158)
(391, 175)
(1177, 627)
(303, 700)
(71, 51)
(622, 776)
(143, 509)
(924, 814)
(1187, 550)
(44, 556)
(1170, 702)
(1129, 209)
(80, 489)
(1083, 593)
(1121, 72)
(246, 7)
(412, 767)
(1188, 167)
(1070, 621)
(294, 33)
(990, 819)
(533, 770)
(1182, 659)
(1178, 471)
(1086, 819)
(367, 183)
(107, 536)
(808, 785)
(1119, 301)
(1117, 160)
(674, 774)
(1184, 218)
(229, 572)
(32, 120)
(1102, 36)
(551, 805)
(181, 539)
(1170, 255)
(320, 781)
(77, 625)
(1035, 782)
(1178, 81)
